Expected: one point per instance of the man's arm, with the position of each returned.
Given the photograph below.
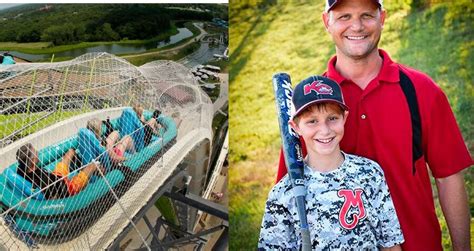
(453, 200)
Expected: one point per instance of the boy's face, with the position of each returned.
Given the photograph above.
(321, 128)
(34, 159)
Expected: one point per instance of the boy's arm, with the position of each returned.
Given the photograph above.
(278, 229)
(394, 248)
(453, 200)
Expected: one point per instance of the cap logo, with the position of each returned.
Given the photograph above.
(319, 87)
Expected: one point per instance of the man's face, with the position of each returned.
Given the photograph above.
(355, 27)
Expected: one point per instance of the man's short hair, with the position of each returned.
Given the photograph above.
(331, 3)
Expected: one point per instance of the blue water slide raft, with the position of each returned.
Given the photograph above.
(59, 220)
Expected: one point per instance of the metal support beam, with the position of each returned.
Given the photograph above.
(189, 199)
(194, 236)
(190, 237)
(223, 240)
(173, 227)
(151, 203)
(201, 204)
(156, 240)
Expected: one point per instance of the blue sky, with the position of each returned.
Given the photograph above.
(8, 5)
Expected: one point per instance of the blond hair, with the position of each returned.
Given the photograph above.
(138, 110)
(95, 125)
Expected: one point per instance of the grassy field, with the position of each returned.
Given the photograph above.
(223, 64)
(267, 38)
(47, 47)
(169, 55)
(20, 120)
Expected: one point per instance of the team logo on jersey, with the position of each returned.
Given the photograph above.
(352, 199)
(319, 87)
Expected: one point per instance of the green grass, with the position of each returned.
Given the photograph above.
(46, 48)
(212, 93)
(250, 182)
(23, 47)
(267, 38)
(17, 121)
(224, 65)
(173, 55)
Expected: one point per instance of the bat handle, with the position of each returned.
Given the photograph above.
(305, 240)
(304, 227)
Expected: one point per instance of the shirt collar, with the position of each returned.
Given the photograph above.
(388, 73)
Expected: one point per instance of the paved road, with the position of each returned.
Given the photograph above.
(203, 55)
(223, 93)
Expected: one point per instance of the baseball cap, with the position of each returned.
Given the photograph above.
(331, 3)
(316, 89)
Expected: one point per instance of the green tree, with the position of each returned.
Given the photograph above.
(418, 4)
(60, 34)
(80, 32)
(28, 35)
(106, 33)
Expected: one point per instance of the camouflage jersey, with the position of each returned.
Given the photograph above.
(347, 208)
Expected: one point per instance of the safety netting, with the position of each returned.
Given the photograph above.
(82, 142)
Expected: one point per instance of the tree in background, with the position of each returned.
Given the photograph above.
(106, 33)
(63, 34)
(28, 35)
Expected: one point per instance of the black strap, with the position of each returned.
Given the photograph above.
(410, 94)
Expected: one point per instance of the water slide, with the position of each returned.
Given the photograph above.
(49, 105)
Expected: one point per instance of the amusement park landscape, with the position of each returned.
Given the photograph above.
(119, 111)
(115, 119)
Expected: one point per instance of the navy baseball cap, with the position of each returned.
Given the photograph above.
(331, 3)
(316, 89)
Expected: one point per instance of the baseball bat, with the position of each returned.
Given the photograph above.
(291, 150)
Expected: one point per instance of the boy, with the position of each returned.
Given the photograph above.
(28, 161)
(348, 204)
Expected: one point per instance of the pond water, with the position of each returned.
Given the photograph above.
(183, 33)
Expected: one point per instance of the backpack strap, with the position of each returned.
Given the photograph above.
(410, 95)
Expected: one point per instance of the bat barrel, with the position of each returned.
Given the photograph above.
(292, 150)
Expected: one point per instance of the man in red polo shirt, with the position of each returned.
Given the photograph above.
(379, 127)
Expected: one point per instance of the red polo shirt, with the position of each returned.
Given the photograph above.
(379, 128)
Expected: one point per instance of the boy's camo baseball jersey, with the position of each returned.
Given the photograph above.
(347, 208)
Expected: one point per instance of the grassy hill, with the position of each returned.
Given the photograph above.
(289, 36)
